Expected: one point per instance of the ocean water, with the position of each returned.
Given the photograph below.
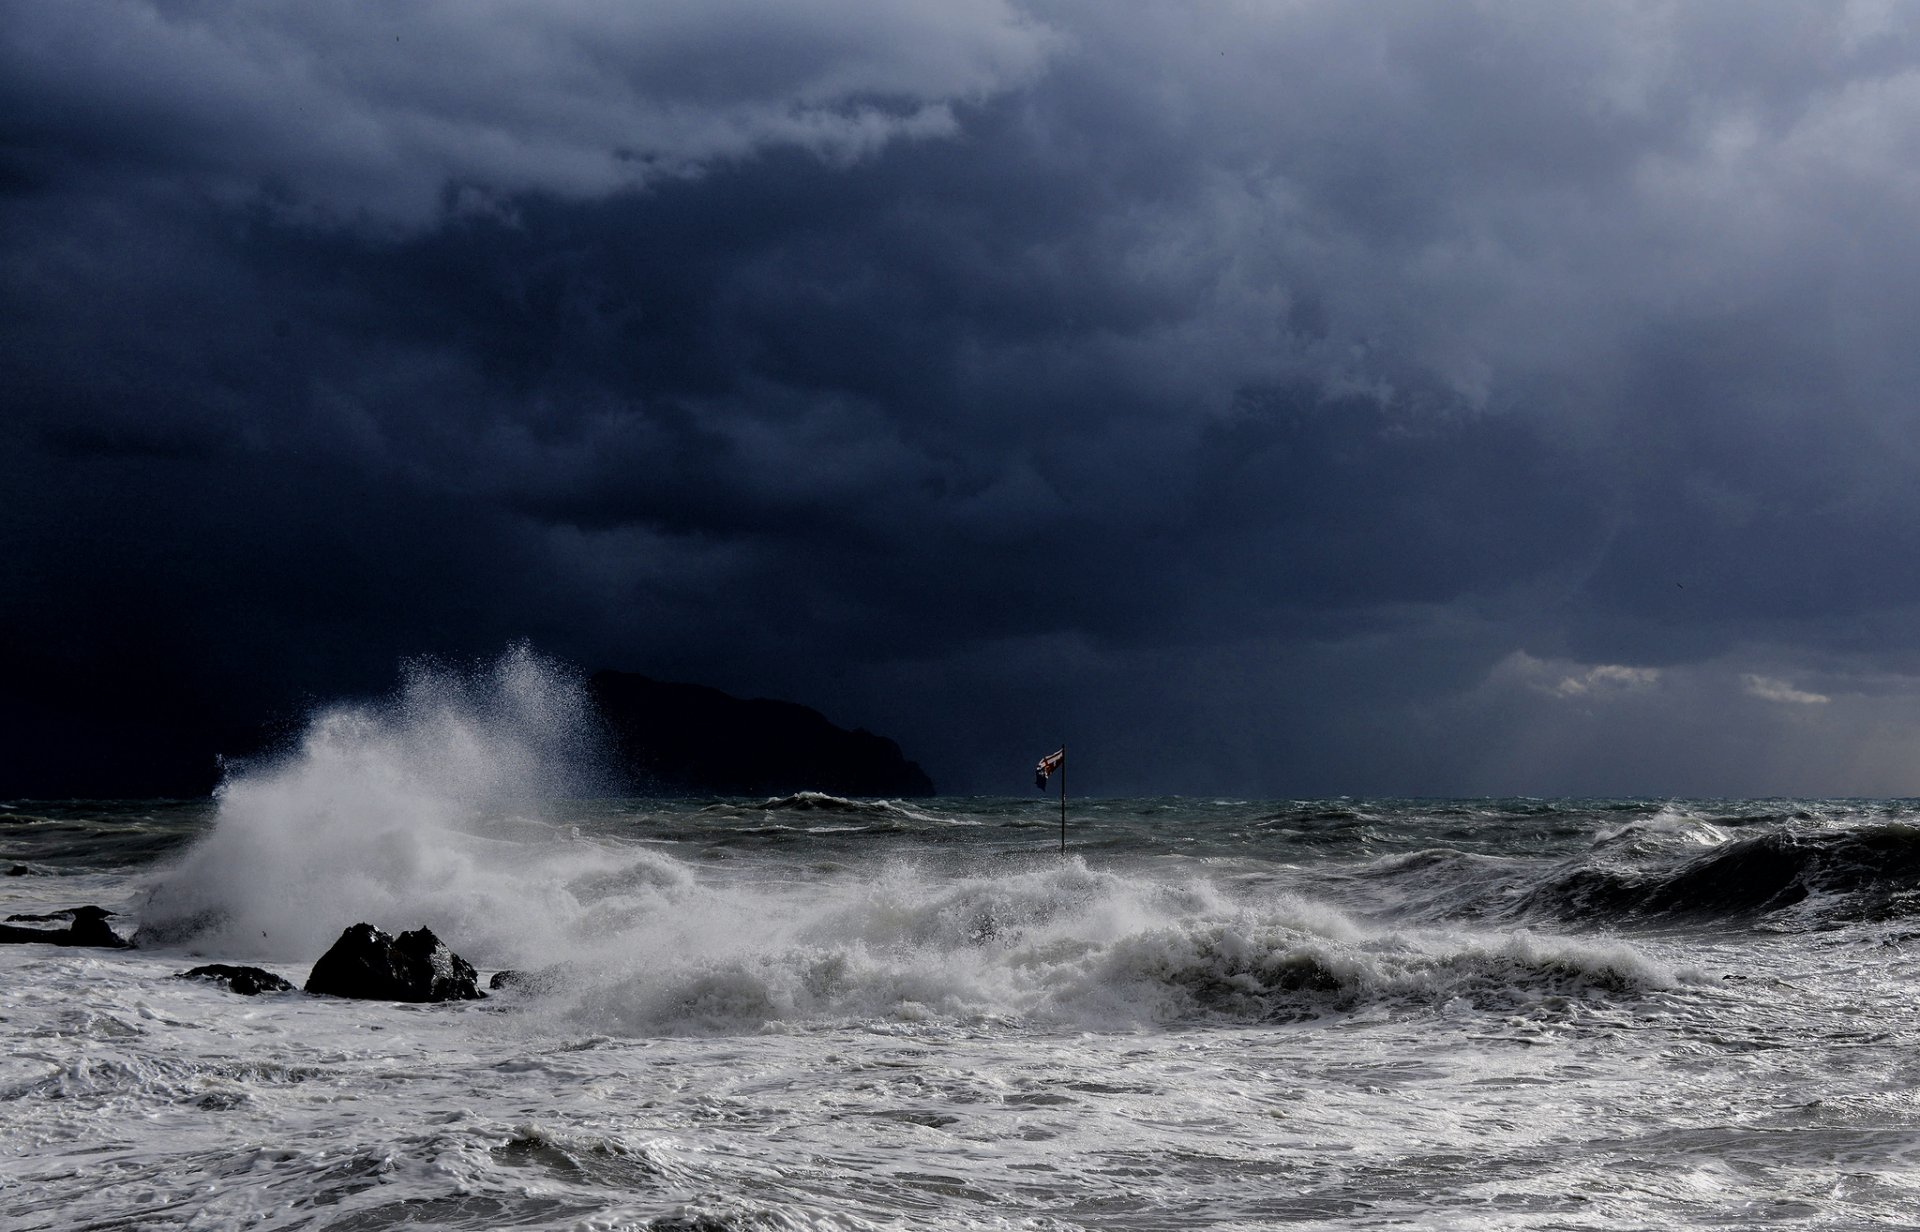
(811, 1012)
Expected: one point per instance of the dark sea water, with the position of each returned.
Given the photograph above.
(811, 1012)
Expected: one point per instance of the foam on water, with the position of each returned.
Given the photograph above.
(1669, 826)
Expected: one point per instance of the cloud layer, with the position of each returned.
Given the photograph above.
(1275, 398)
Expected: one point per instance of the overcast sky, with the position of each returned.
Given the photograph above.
(1277, 398)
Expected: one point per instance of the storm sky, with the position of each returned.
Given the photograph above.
(1276, 398)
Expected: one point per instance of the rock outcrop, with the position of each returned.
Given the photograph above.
(247, 981)
(372, 965)
(86, 926)
(687, 739)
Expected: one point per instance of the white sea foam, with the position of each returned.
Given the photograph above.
(1670, 824)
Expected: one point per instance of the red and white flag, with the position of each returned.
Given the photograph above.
(1048, 764)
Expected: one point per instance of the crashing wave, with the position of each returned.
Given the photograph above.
(1062, 945)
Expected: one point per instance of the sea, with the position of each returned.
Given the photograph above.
(816, 1012)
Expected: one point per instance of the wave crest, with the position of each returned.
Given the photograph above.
(1862, 873)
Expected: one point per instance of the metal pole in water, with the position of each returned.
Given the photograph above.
(1063, 797)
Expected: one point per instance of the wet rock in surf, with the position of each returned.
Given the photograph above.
(247, 981)
(86, 926)
(371, 965)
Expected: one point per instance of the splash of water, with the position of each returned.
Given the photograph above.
(414, 810)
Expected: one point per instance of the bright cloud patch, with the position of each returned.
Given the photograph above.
(1770, 689)
(1607, 678)
(1562, 678)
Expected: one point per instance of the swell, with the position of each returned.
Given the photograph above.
(1866, 872)
(49, 837)
(1789, 866)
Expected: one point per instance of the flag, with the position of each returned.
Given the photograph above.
(1048, 764)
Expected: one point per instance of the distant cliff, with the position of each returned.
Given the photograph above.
(689, 739)
(666, 739)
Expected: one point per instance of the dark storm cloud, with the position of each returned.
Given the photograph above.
(384, 117)
(1287, 398)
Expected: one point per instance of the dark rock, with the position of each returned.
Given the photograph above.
(506, 979)
(86, 926)
(19, 870)
(12, 935)
(687, 739)
(247, 981)
(372, 965)
(90, 927)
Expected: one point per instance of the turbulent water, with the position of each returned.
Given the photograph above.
(811, 1012)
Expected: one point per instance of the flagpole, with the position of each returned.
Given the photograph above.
(1063, 797)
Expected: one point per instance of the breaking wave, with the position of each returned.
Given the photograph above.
(425, 808)
(1061, 945)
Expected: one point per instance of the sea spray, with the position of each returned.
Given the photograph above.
(399, 813)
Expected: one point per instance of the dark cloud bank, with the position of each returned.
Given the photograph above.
(1283, 399)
